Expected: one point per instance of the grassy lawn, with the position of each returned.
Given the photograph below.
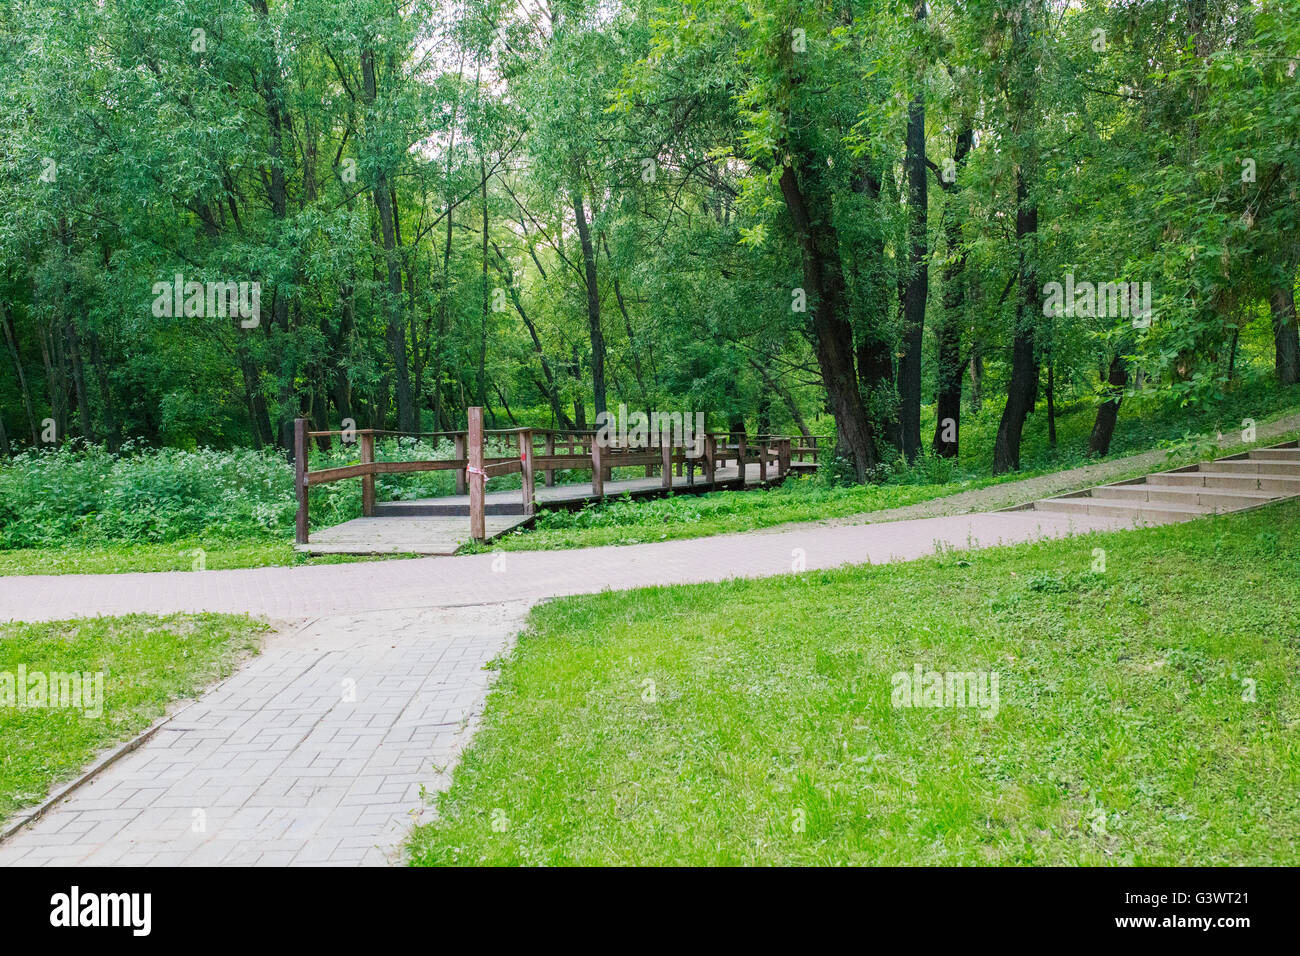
(173, 556)
(146, 663)
(752, 722)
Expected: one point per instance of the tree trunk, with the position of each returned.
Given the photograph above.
(1286, 335)
(874, 351)
(84, 419)
(56, 384)
(547, 387)
(1023, 386)
(1051, 403)
(396, 332)
(976, 378)
(111, 424)
(11, 340)
(947, 424)
(824, 280)
(593, 300)
(1104, 426)
(918, 276)
(483, 330)
(786, 397)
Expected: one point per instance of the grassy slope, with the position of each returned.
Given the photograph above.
(1122, 736)
(146, 661)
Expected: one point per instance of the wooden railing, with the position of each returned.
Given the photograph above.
(549, 450)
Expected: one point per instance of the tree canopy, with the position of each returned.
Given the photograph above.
(792, 215)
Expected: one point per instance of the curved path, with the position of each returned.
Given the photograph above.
(320, 749)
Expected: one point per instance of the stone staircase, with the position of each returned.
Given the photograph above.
(1235, 483)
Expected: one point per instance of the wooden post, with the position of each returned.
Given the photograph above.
(548, 474)
(597, 470)
(763, 449)
(526, 471)
(300, 478)
(742, 448)
(710, 457)
(368, 481)
(666, 455)
(459, 453)
(477, 480)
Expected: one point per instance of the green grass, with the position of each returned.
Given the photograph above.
(173, 556)
(146, 663)
(626, 521)
(1122, 735)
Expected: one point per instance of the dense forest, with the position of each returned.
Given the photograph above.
(847, 215)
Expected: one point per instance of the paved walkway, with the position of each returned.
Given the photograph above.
(288, 593)
(317, 752)
(320, 749)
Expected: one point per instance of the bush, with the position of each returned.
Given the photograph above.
(84, 494)
(48, 497)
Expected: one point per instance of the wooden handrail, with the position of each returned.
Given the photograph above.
(573, 449)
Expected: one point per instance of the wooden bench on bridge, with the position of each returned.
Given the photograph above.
(439, 525)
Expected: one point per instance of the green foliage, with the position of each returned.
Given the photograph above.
(92, 497)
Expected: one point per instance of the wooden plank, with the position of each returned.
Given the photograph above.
(300, 478)
(477, 476)
(326, 475)
(526, 470)
(368, 480)
(564, 461)
(548, 475)
(666, 454)
(405, 535)
(597, 472)
(459, 451)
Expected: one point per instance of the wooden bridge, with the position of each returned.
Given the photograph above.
(723, 460)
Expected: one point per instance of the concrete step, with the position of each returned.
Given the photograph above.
(1276, 454)
(1143, 512)
(1278, 485)
(1218, 499)
(1252, 466)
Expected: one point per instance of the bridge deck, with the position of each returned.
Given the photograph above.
(441, 525)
